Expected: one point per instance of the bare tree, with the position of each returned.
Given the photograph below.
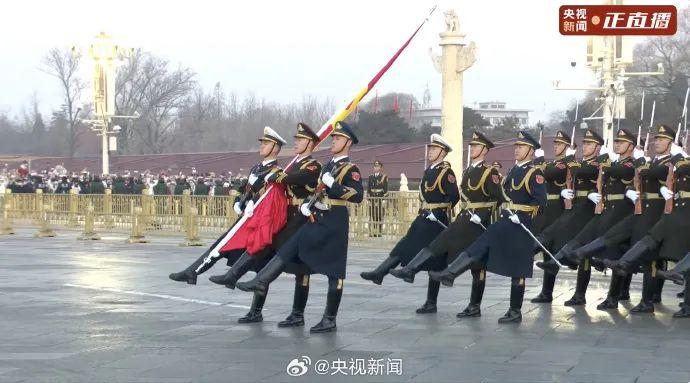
(63, 64)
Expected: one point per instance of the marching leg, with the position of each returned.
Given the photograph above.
(584, 272)
(611, 301)
(264, 277)
(659, 288)
(408, 272)
(517, 293)
(649, 285)
(429, 307)
(189, 274)
(625, 290)
(299, 302)
(238, 269)
(254, 314)
(478, 283)
(684, 311)
(546, 294)
(335, 294)
(381, 270)
(461, 264)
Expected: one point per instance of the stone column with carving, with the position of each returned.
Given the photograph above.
(456, 57)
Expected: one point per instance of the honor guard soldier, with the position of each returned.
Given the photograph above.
(667, 239)
(555, 174)
(321, 244)
(616, 174)
(506, 247)
(377, 188)
(480, 190)
(439, 193)
(270, 145)
(651, 175)
(300, 182)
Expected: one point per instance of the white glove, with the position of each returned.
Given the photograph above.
(614, 156)
(632, 195)
(431, 217)
(249, 209)
(594, 197)
(567, 194)
(638, 153)
(304, 209)
(327, 179)
(475, 219)
(514, 219)
(252, 179)
(603, 150)
(539, 153)
(647, 159)
(237, 209)
(320, 205)
(666, 192)
(676, 149)
(570, 152)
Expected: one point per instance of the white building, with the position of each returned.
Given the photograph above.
(492, 111)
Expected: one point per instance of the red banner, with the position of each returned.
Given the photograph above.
(653, 20)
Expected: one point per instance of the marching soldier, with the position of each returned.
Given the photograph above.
(271, 143)
(667, 239)
(377, 188)
(616, 175)
(506, 248)
(321, 244)
(300, 181)
(651, 175)
(439, 192)
(480, 190)
(555, 174)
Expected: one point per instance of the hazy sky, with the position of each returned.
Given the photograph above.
(282, 50)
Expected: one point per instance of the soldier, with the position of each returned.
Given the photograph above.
(300, 181)
(506, 248)
(271, 143)
(377, 188)
(201, 188)
(651, 175)
(439, 193)
(321, 244)
(480, 189)
(555, 174)
(667, 239)
(615, 177)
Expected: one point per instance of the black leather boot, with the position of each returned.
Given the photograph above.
(551, 266)
(299, 302)
(611, 301)
(335, 293)
(517, 293)
(546, 294)
(586, 251)
(381, 270)
(677, 274)
(584, 272)
(684, 311)
(625, 290)
(659, 288)
(634, 256)
(461, 264)
(648, 286)
(264, 277)
(429, 307)
(190, 273)
(254, 314)
(408, 272)
(478, 283)
(238, 269)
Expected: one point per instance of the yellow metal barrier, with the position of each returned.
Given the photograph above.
(377, 221)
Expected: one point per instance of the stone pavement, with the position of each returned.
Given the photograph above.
(105, 311)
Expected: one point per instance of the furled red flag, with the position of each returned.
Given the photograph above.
(396, 106)
(269, 217)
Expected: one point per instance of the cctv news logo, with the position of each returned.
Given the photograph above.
(650, 20)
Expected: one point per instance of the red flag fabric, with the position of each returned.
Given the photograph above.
(268, 219)
(396, 106)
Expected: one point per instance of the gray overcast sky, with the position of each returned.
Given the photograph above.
(282, 50)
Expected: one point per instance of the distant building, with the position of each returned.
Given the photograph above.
(492, 111)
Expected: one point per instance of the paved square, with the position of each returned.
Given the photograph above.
(105, 311)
